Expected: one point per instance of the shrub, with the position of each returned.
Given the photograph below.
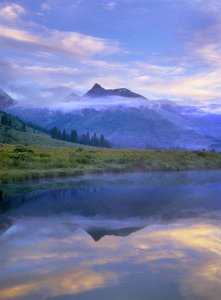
(201, 153)
(22, 150)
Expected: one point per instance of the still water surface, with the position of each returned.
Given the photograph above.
(123, 237)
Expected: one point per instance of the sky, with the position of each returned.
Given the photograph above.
(162, 49)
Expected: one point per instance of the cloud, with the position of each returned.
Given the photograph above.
(160, 70)
(55, 41)
(45, 6)
(7, 73)
(11, 12)
(107, 5)
(50, 69)
(111, 5)
(210, 54)
(53, 5)
(202, 42)
(200, 86)
(76, 3)
(212, 5)
(52, 57)
(152, 81)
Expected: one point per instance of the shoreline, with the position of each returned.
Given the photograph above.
(64, 174)
(24, 163)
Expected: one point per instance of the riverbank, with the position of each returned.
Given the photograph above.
(18, 163)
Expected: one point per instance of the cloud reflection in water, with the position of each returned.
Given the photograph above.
(44, 258)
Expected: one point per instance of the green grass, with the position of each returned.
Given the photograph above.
(18, 163)
(28, 137)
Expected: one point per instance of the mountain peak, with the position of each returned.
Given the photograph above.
(98, 91)
(97, 86)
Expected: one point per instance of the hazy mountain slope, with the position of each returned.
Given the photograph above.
(71, 97)
(203, 122)
(125, 126)
(5, 100)
(130, 120)
(210, 124)
(19, 133)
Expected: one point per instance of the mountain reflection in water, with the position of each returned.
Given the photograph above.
(159, 238)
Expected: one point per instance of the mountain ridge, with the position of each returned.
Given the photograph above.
(98, 91)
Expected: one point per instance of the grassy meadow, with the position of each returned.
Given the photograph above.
(28, 137)
(18, 163)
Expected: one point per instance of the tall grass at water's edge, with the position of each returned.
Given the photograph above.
(18, 163)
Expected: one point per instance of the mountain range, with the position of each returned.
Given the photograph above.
(129, 120)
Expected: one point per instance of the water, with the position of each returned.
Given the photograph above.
(127, 236)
